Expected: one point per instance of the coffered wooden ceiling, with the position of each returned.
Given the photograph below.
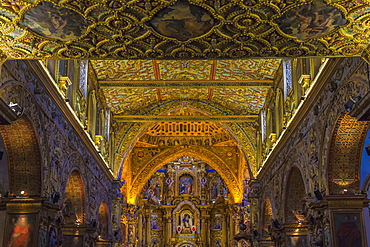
(183, 29)
(238, 85)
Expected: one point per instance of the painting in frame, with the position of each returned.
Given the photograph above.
(297, 241)
(21, 230)
(348, 229)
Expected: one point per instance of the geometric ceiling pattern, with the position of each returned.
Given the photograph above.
(167, 70)
(257, 75)
(181, 29)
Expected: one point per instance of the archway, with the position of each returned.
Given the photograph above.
(103, 221)
(267, 216)
(23, 156)
(295, 196)
(201, 153)
(345, 155)
(186, 244)
(128, 133)
(75, 199)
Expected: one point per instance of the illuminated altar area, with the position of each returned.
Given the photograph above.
(185, 203)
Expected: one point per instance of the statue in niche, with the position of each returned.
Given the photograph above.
(186, 184)
(214, 190)
(187, 221)
(217, 223)
(155, 224)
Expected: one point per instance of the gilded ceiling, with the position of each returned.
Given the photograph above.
(149, 78)
(181, 29)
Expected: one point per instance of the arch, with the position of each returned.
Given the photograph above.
(294, 197)
(75, 195)
(103, 220)
(345, 155)
(191, 209)
(186, 244)
(23, 154)
(198, 152)
(128, 133)
(365, 163)
(267, 216)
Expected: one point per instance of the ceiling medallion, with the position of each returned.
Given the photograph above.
(312, 20)
(182, 21)
(55, 22)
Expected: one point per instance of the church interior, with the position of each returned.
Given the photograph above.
(184, 123)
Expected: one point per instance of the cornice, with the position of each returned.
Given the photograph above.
(67, 112)
(7, 115)
(320, 81)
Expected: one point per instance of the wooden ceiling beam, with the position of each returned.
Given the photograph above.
(203, 118)
(179, 84)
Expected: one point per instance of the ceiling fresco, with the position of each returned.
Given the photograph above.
(182, 29)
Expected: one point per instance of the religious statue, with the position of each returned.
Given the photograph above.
(186, 220)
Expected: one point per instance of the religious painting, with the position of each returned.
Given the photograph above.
(21, 230)
(347, 229)
(186, 184)
(52, 21)
(297, 241)
(312, 20)
(182, 21)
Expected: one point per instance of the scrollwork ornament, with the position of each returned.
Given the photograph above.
(72, 52)
(296, 51)
(240, 52)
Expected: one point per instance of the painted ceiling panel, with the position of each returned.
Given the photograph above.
(129, 101)
(124, 69)
(257, 69)
(242, 101)
(148, 29)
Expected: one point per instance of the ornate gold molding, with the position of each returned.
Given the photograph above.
(186, 84)
(204, 118)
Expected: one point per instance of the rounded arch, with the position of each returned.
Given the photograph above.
(186, 244)
(75, 196)
(295, 197)
(267, 216)
(345, 155)
(103, 220)
(237, 130)
(198, 152)
(23, 153)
